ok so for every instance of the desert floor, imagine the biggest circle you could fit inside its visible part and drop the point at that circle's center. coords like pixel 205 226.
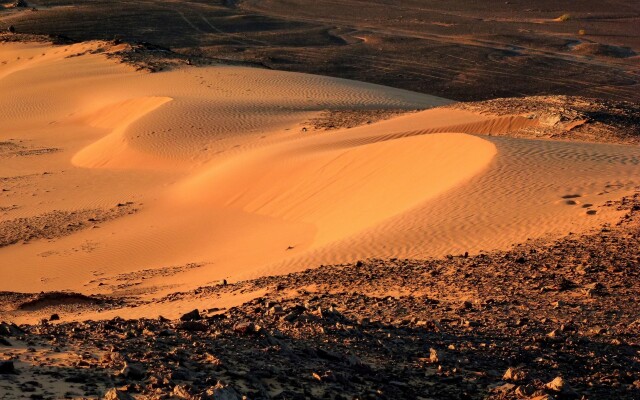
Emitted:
pixel 204 174
pixel 454 49
pixel 137 192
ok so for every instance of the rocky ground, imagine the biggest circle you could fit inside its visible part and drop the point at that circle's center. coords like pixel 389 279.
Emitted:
pixel 453 49
pixel 13 301
pixel 568 117
pixel 344 119
pixel 142 56
pixel 10 148
pixel 58 223
pixel 544 320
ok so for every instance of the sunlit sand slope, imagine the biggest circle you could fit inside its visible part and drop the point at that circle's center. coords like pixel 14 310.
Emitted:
pixel 339 189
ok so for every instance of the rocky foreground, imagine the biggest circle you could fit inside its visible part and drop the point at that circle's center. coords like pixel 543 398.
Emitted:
pixel 543 321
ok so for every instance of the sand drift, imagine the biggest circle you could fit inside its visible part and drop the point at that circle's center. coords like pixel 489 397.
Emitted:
pixel 220 170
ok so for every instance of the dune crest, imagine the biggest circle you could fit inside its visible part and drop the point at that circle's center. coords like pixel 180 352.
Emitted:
pixel 341 189
pixel 113 151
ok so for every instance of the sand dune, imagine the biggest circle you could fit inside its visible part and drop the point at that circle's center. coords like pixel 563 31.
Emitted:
pixel 113 150
pixel 340 189
pixel 224 177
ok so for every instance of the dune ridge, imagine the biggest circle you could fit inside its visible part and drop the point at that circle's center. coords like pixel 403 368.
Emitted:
pixel 113 151
pixel 342 190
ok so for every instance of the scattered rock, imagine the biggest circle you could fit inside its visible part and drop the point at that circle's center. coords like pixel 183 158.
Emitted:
pixel 505 388
pixel 525 391
pixel 514 375
pixel 115 394
pixel 558 385
pixel 569 117
pixel 435 356
pixel 193 326
pixel 7 367
pixel 244 328
pixel 191 316
pixel 182 392
pixel 133 371
pixel 9 330
pixel 223 392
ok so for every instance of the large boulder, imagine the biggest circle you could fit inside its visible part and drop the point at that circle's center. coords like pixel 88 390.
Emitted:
pixel 191 316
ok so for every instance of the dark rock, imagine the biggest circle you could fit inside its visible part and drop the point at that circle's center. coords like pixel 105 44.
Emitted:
pixel 525 391
pixel 7 367
pixel 191 316
pixel 329 355
pixel 181 375
pixel 291 316
pixel 133 371
pixel 244 327
pixel 223 392
pixel 10 329
pixel 193 326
